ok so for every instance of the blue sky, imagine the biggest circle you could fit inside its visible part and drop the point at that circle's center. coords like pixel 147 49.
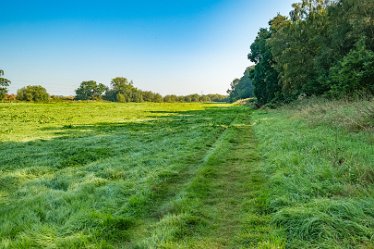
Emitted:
pixel 170 47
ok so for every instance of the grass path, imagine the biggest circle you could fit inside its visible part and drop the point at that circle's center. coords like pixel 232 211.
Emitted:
pixel 219 207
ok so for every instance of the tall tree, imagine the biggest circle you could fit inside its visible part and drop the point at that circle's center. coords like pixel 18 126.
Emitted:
pixel 264 75
pixel 123 91
pixel 324 48
pixel 4 83
pixel 90 90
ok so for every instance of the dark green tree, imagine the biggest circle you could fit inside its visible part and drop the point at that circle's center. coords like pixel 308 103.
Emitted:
pixel 241 88
pixel 33 93
pixel 315 51
pixel 264 76
pixel 171 98
pixel 354 73
pixel 4 83
pixel 90 90
pixel 123 91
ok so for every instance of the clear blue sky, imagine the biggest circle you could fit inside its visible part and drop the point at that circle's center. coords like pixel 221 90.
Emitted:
pixel 167 46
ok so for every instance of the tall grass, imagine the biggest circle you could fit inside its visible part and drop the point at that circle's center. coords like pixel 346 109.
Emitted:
pixel 319 159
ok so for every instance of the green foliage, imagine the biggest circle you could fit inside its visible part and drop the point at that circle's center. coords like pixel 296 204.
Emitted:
pixel 4 83
pixel 241 88
pixel 149 96
pixel 354 73
pixel 90 90
pixel 33 93
pixel 264 76
pixel 171 98
pixel 314 51
pixel 122 90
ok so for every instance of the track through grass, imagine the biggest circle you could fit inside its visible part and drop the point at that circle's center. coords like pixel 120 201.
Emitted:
pixel 219 207
pixel 104 175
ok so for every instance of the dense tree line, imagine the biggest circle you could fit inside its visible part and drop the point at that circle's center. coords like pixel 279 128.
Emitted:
pixel 122 90
pixel 195 98
pixel 241 88
pixel 323 48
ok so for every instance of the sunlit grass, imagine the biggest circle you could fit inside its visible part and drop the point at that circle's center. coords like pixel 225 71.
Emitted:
pixel 320 169
pixel 98 175
pixel 108 175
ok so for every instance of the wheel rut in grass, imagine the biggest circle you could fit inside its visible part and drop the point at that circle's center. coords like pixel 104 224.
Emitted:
pixel 172 185
pixel 176 181
pixel 222 205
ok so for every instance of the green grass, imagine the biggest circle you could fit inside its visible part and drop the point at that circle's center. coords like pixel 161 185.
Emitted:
pixel 109 175
pixel 318 157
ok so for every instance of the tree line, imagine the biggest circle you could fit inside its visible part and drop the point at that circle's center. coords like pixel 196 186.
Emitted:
pixel 323 48
pixel 120 90
pixel 241 88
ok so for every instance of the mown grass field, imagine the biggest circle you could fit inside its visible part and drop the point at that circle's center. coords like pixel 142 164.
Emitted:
pixel 108 175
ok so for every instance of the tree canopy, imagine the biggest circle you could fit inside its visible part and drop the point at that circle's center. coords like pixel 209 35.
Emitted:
pixel 322 48
pixel 241 88
pixel 90 90
pixel 32 93
pixel 4 83
pixel 123 90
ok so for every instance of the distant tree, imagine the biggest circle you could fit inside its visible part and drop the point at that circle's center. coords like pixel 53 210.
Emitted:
pixel 137 96
pixel 120 97
pixel 157 98
pixel 149 96
pixel 187 98
pixel 195 97
pixel 123 91
pixel 32 93
pixel 217 97
pixel 241 88
pixel 90 90
pixel 4 83
pixel 171 98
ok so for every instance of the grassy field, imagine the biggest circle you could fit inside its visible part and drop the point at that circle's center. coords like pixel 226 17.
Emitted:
pixel 109 175
pixel 103 175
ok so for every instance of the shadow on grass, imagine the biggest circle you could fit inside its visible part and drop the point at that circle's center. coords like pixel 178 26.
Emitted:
pixel 85 139
pixel 37 172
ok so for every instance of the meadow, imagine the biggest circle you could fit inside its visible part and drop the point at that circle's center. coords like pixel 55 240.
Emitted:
pixel 109 175
pixel 186 175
